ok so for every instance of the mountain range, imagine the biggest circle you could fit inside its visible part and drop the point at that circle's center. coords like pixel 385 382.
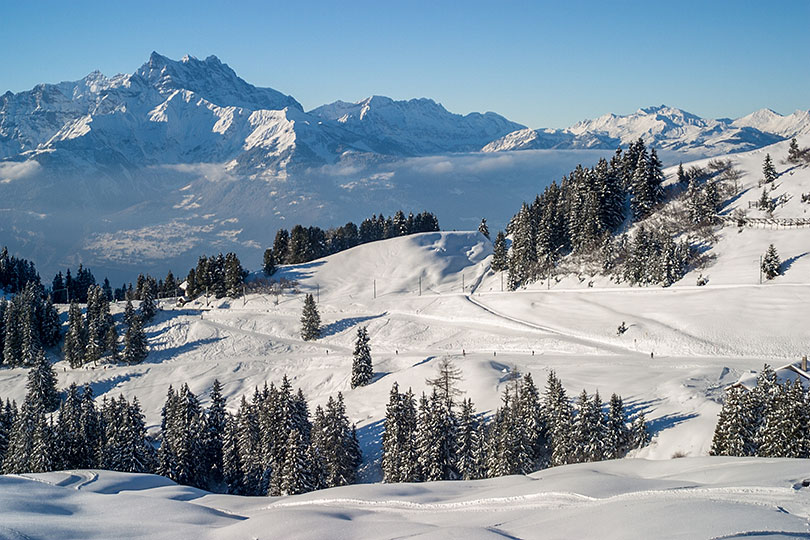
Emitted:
pixel 191 111
pixel 150 169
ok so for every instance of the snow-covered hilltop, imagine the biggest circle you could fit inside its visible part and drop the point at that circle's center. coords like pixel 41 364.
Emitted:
pixel 666 128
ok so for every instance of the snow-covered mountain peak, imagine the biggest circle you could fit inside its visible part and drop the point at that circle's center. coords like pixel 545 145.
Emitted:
pixel 213 80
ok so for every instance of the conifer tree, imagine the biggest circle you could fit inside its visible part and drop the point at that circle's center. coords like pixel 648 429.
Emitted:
pixel 523 257
pixel 50 328
pixel 682 177
pixel 147 307
pixel 618 442
pixel 468 442
pixel 41 385
pixel 500 261
pixel 483 229
pixel 295 474
pixel 794 153
pixel 111 344
pixel 362 371
pixel 559 419
pixel 215 428
pixel 771 263
pixel 768 170
pixel 639 437
pixel 135 345
pixel 268 262
pixel 232 459
pixel 310 320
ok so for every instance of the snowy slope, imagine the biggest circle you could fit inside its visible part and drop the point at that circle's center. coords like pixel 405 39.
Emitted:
pixel 685 498
pixel 666 128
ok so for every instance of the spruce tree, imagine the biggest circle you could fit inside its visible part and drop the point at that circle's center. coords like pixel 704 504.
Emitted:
pixel 771 263
pixel 295 474
pixel 215 427
pixel 232 459
pixel 467 442
pixel 310 320
pixel 362 371
pixel 41 385
pixel 682 177
pixel 483 229
pixel 268 263
pixel 500 261
pixel 147 307
pixel 794 153
pixel 768 170
pixel 135 344
pixel 639 436
pixel 523 257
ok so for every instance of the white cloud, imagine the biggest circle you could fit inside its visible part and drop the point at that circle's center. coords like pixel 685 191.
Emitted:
pixel 10 171
pixel 213 172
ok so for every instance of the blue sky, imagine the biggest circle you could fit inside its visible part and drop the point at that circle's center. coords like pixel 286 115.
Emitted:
pixel 544 64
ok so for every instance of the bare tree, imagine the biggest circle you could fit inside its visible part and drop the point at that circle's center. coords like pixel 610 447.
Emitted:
pixel 445 382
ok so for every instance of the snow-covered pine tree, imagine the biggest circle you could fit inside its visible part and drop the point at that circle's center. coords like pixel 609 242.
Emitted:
pixel 12 339
pixel 147 307
pixel 559 421
pixel 768 170
pixel 682 177
pixel 29 442
pixel 483 229
pixel 529 410
pixel 41 385
pixel 75 339
pixel 268 263
pixel 215 426
pixel 362 371
pixel 295 474
pixel 643 196
pixel 183 440
pixel 68 434
pixel 391 450
pixel 7 416
pixel 310 320
pixel 231 459
pixel 111 343
pixel 129 313
pixel 618 439
pixel 639 436
pixel 136 348
pixel 771 263
pixel 248 443
pixel 794 153
pixel 332 439
pixel 467 442
pixel 500 261
pixel 234 275
pixel 523 256
pixel 51 326
pixel 91 430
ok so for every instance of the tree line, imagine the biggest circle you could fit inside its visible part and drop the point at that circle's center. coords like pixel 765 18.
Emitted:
pixel 16 273
pixel 269 447
pixel 303 244
pixel 433 439
pixel 770 420
pixel 583 214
